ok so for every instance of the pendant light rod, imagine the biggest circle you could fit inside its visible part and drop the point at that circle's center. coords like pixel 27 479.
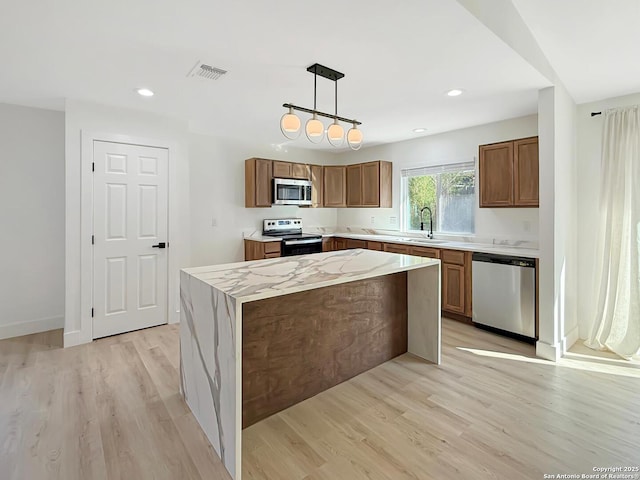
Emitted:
pixel 321 114
pixel 336 98
pixel 315 89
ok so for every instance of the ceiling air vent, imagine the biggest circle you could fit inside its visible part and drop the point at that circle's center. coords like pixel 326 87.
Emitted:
pixel 206 71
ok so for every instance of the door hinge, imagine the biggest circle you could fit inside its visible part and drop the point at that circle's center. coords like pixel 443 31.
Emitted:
pixel 93 239
pixel 93 167
pixel 92 312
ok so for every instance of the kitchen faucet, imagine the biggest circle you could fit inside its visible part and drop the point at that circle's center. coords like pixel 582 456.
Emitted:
pixel 430 234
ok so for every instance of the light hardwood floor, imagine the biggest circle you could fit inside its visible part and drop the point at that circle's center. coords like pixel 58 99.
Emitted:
pixel 111 410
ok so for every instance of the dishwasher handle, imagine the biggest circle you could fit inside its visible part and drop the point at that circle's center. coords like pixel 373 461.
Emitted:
pixel 504 259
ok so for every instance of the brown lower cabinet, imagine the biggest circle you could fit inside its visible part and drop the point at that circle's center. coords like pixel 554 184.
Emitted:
pixel 455 271
pixel 425 252
pixel 455 268
pixel 339 243
pixel 351 243
pixel 456 282
pixel 374 245
pixel 397 248
pixel 254 250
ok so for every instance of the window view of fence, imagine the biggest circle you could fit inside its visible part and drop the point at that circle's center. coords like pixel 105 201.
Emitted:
pixel 450 196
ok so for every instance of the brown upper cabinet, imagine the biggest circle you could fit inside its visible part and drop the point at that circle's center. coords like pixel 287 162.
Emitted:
pixel 369 184
pixel 257 182
pixel 509 174
pixel 360 185
pixel 290 170
pixel 316 187
pixel 526 172
pixel 354 185
pixel 335 186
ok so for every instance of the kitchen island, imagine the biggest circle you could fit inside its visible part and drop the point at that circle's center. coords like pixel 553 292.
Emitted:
pixel 257 337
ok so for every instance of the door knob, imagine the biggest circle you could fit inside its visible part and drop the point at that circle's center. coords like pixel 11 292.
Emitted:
pixel 160 245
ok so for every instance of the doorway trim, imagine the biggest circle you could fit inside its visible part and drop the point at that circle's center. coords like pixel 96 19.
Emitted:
pixel 85 332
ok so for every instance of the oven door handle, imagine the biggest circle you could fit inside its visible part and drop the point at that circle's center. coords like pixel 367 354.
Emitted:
pixel 302 242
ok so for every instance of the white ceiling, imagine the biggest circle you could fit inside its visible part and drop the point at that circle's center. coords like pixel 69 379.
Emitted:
pixel 592 45
pixel 399 58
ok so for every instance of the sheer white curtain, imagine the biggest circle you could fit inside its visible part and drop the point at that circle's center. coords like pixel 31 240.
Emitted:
pixel 616 325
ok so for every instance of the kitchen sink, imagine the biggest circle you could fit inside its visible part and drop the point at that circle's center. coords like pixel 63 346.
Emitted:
pixel 424 241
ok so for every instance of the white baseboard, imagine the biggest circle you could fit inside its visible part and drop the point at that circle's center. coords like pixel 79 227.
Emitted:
pixel 75 337
pixel 71 339
pixel 29 327
pixel 570 338
pixel 548 352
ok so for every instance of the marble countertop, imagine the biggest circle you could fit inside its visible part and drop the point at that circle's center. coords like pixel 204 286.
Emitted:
pixel 259 279
pixel 453 245
pixel 466 246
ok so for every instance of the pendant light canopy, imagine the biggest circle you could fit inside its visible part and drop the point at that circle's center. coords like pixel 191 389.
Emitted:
pixel 314 128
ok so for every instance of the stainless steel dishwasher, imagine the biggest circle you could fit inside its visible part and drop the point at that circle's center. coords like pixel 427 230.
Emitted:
pixel 504 294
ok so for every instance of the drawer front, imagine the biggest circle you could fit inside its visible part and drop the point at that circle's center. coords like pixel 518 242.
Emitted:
pixel 395 248
pixel 272 247
pixel 327 244
pixel 452 256
pixel 374 245
pixel 272 255
pixel 339 243
pixel 356 243
pixel 425 252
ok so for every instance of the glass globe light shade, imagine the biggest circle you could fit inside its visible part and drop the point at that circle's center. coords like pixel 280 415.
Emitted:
pixel 290 125
pixel 335 134
pixel 314 129
pixel 354 138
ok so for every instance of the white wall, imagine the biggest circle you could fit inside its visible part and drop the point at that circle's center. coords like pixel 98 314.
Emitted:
pixel 589 146
pixel 449 147
pixel 558 233
pixel 85 119
pixel 217 192
pixel 32 219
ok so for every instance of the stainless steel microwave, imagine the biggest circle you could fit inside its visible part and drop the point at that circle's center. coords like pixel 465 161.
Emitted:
pixel 291 192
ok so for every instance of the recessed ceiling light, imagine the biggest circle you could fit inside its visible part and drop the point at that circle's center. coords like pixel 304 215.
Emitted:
pixel 419 130
pixel 455 92
pixel 145 92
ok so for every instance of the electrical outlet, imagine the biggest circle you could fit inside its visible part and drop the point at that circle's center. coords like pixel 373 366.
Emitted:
pixel 526 226
pixel 393 220
pixel 373 220
pixel 214 222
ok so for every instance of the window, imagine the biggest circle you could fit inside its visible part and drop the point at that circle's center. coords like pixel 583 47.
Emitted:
pixel 448 190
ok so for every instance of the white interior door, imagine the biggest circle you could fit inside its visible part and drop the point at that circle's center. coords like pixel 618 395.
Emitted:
pixel 130 216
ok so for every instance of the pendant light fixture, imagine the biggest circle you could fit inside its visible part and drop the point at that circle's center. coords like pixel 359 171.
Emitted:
pixel 354 137
pixel 314 128
pixel 290 125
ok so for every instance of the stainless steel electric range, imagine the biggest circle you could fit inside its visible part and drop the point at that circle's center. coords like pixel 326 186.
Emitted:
pixel 294 242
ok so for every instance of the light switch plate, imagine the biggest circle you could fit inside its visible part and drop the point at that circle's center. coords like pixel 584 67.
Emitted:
pixel 393 220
